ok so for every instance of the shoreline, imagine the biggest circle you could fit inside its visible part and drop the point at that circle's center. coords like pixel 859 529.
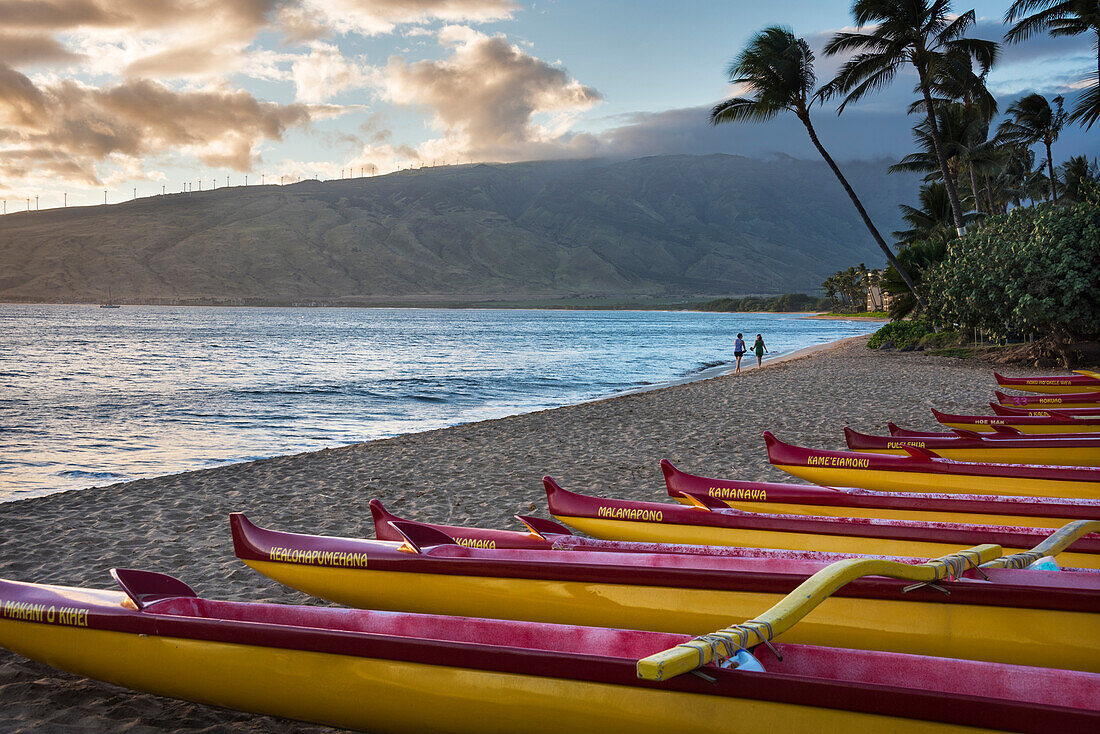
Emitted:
pixel 728 369
pixel 12 494
pixel 471 474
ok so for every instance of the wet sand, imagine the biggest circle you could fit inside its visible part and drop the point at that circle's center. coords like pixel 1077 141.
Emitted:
pixel 477 474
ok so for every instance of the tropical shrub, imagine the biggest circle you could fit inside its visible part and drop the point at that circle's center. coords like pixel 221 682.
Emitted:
pixel 1029 272
pixel 900 334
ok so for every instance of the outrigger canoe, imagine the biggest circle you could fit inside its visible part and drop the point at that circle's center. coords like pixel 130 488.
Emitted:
pixel 808 499
pixel 1082 381
pixel 1046 449
pixel 711 522
pixel 1073 400
pixel 1005 431
pixel 543 534
pixel 923 471
pixel 387 672
pixel 1043 618
pixel 999 409
pixel 1021 423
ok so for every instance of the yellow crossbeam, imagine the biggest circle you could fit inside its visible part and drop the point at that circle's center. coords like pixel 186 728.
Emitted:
pixel 724 643
pixel 1054 544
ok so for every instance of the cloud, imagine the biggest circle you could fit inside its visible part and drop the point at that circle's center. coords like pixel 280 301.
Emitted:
pixel 486 95
pixel 69 129
pixel 325 72
pixel 373 17
pixel 17 49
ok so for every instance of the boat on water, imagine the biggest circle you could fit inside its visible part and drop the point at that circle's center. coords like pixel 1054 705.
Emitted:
pixel 712 522
pixel 809 499
pixel 993 620
pixel 999 409
pixel 392 672
pixel 1022 423
pixel 923 471
pixel 1071 400
pixel 1046 448
pixel 1080 381
pixel 109 303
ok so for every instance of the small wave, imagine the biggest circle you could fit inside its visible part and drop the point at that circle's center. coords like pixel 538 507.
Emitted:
pixel 704 366
pixel 81 474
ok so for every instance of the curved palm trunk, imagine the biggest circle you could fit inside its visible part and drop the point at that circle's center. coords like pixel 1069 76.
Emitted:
pixel 937 143
pixel 974 188
pixel 1050 172
pixel 805 118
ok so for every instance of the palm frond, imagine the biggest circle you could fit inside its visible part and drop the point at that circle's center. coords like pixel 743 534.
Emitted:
pixel 956 28
pixel 742 109
pixel 1086 108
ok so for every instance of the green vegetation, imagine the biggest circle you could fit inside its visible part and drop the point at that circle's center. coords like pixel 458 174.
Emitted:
pixel 787 303
pixel 964 262
pixel 1029 272
pixel 900 335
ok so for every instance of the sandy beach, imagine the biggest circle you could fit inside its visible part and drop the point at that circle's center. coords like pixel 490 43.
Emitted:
pixel 478 474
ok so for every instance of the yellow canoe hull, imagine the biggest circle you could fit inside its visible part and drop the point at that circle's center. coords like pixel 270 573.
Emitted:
pixel 883 480
pixel 653 532
pixel 1044 638
pixel 1079 456
pixel 385 696
pixel 1025 428
pixel 885 513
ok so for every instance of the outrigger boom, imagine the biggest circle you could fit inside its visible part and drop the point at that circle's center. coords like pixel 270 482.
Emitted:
pixel 725 643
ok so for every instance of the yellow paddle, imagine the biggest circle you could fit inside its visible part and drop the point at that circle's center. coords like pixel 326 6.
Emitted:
pixel 697 652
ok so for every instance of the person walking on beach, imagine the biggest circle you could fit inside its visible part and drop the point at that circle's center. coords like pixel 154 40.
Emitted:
pixel 759 348
pixel 739 350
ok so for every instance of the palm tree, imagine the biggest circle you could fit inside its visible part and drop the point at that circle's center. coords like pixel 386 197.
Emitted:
pixel 1032 121
pixel 918 32
pixel 1065 18
pixel 1077 175
pixel 964 133
pixel 778 70
pixel 932 221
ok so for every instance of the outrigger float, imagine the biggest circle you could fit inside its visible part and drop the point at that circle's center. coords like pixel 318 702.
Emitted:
pixel 1081 381
pixel 387 672
pixel 1041 618
pixel 923 471
pixel 1022 423
pixel 1001 448
pixel 712 522
pixel 1072 400
pixel 809 499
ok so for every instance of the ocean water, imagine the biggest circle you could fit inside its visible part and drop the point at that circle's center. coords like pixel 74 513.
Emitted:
pixel 92 396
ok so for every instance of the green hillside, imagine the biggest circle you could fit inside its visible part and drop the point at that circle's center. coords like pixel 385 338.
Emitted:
pixel 661 228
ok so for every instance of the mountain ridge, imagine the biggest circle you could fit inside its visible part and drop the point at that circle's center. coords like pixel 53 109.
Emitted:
pixel 654 229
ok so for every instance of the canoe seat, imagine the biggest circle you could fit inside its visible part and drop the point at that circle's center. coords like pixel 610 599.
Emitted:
pixel 146 587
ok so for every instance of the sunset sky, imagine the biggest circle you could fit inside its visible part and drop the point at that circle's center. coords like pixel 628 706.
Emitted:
pixel 115 95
